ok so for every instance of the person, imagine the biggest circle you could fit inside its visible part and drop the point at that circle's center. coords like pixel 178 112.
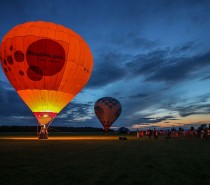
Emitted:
pixel 206 133
pixel 137 133
pixel 149 132
pixel 168 134
pixel 142 134
pixel 202 133
pixel 155 133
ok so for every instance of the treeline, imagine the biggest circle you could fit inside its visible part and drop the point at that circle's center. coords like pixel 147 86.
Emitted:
pixel 51 129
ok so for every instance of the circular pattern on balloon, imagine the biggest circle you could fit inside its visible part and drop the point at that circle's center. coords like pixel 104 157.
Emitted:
pixel 21 73
pixel 5 62
pixel 19 56
pixel 47 56
pixel 34 73
pixel 10 60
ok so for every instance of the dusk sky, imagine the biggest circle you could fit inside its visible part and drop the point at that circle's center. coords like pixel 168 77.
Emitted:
pixel 153 56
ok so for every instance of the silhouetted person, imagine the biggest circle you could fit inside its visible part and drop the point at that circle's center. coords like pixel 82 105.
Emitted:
pixel 137 133
pixel 155 132
pixel 168 134
pixel 141 134
pixel 206 133
pixel 149 133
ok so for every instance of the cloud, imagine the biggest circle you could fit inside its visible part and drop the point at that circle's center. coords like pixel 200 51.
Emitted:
pixel 108 70
pixel 207 77
pixel 193 109
pixel 139 81
pixel 139 95
pixel 182 69
pixel 151 120
pixel 132 40
pixel 159 67
pixel 144 64
pixel 190 106
pixel 76 112
pixel 10 102
pixel 183 48
pixel 13 110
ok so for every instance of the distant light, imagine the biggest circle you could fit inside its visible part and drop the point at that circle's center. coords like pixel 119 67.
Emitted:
pixel 45 115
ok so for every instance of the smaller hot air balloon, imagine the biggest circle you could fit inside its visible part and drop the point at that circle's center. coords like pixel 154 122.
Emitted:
pixel 107 110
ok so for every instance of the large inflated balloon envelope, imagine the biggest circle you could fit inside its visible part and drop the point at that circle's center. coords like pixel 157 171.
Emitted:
pixel 47 64
pixel 107 110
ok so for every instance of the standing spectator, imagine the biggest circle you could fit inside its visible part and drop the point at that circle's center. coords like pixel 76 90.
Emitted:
pixel 142 134
pixel 137 133
pixel 168 134
pixel 149 133
pixel 155 133
pixel 206 133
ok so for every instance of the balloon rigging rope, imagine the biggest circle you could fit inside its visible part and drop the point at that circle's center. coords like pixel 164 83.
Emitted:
pixel 50 123
pixel 37 128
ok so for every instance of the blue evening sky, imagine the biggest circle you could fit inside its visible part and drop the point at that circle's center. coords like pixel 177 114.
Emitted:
pixel 151 55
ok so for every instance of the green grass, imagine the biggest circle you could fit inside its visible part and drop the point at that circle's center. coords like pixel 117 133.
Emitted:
pixel 105 162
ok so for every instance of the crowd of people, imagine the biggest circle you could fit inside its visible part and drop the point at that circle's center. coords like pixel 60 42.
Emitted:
pixel 201 132
pixel 149 133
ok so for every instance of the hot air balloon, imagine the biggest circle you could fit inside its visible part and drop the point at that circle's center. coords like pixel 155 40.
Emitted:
pixel 47 64
pixel 107 110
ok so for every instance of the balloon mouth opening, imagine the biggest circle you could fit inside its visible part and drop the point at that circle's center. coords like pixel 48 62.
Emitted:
pixel 45 117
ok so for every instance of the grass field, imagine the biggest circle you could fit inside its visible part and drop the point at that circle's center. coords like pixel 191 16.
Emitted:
pixel 101 161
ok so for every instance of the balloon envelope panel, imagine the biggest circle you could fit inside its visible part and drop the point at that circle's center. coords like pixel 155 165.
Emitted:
pixel 47 64
pixel 107 110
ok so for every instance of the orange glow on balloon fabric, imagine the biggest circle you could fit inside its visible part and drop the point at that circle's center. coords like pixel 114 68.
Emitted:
pixel 47 64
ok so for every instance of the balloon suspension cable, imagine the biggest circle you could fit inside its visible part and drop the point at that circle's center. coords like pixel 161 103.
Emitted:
pixel 50 123
pixel 37 128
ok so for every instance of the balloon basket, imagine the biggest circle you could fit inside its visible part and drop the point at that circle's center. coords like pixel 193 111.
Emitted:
pixel 43 133
pixel 106 132
pixel 43 136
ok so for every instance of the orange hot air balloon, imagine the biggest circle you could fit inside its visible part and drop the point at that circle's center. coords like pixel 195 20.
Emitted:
pixel 47 64
pixel 107 110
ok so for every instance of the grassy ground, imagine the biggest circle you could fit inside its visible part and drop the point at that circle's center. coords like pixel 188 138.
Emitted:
pixel 105 162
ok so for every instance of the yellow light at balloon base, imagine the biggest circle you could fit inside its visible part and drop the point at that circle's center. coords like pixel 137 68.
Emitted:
pixel 46 106
pixel 48 101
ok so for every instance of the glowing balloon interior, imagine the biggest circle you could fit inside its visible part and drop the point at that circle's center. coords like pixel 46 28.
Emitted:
pixel 47 64
pixel 107 110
